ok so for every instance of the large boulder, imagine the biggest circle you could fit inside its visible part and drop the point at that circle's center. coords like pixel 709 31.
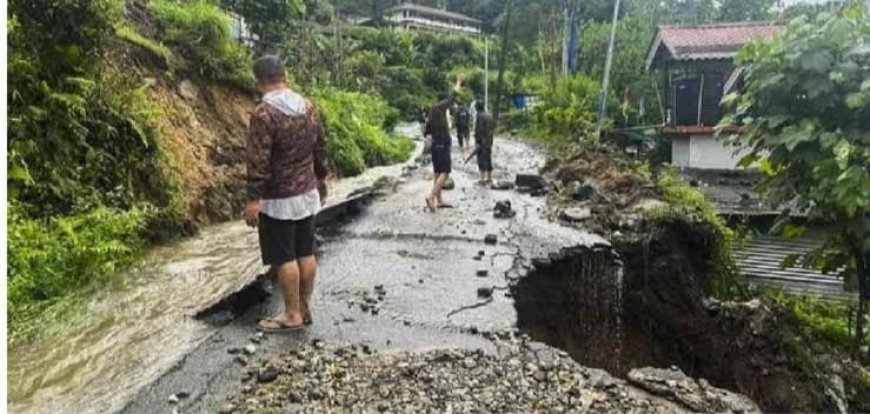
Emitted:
pixel 697 395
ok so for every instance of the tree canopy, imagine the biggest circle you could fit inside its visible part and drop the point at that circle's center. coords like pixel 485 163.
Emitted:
pixel 806 117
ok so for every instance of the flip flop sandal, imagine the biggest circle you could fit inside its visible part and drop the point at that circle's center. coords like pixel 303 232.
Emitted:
pixel 279 327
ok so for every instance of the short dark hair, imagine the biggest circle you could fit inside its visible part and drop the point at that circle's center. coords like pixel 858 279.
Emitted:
pixel 268 68
pixel 480 106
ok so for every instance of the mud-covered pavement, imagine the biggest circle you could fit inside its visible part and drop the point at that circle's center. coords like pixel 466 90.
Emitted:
pixel 394 280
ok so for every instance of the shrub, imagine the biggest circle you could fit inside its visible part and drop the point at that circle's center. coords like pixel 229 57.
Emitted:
pixel 201 31
pixel 51 258
pixel 683 202
pixel 355 131
pixel 569 111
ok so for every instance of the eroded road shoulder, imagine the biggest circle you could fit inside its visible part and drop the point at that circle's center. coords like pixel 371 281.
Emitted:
pixel 400 286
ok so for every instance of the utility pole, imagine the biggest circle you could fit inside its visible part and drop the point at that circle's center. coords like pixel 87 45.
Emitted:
pixel 602 107
pixel 502 59
pixel 566 22
pixel 486 73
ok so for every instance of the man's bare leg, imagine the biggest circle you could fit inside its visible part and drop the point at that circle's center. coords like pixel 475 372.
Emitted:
pixel 307 272
pixel 434 195
pixel 439 184
pixel 288 280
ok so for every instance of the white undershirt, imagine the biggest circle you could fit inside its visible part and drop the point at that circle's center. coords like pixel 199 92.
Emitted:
pixel 294 208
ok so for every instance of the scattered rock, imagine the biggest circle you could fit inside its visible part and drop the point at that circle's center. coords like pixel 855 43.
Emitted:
pixel 267 375
pixel 482 273
pixel 250 349
pixel 227 408
pixel 241 360
pixel 173 399
pixel 516 379
pixel 501 185
pixel 490 239
pixel 234 350
pixel 188 90
pixel 503 210
pixel 575 214
pixel 698 396
pixel 531 181
pixel 585 192
pixel 484 292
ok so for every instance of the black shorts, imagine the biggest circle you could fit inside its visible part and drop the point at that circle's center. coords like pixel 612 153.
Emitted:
pixel 283 241
pixel 441 162
pixel 484 159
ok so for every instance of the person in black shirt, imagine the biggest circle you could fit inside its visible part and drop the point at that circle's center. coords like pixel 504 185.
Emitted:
pixel 463 124
pixel 483 138
pixel 438 131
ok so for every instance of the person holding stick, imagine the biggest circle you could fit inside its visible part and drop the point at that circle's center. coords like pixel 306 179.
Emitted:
pixel 483 138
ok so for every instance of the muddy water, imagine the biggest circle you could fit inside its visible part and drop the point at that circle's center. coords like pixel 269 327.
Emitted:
pixel 124 336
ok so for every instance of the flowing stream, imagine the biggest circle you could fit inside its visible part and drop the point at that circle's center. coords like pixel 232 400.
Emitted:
pixel 124 335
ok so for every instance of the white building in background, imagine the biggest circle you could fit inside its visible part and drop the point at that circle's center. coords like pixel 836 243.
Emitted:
pixel 415 17
pixel 240 30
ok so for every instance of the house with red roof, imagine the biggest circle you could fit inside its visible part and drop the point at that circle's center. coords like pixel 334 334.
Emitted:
pixel 696 67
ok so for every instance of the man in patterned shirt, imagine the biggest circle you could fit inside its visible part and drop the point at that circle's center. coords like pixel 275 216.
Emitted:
pixel 287 169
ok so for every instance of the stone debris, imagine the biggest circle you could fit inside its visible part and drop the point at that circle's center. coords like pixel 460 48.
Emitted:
pixel 503 210
pixel 518 379
pixel 370 301
pixel 530 181
pixel 484 292
pixel 490 239
pixel 581 191
pixel 449 184
pixel 575 214
pixel 696 395
pixel 501 185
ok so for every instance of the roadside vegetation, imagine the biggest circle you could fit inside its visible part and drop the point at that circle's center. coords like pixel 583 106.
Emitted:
pixel 90 186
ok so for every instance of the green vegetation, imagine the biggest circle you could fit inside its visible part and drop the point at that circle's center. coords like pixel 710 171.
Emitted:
pixel 683 202
pixel 128 33
pixel 355 131
pixel 806 112
pixel 50 258
pixel 89 184
pixel 87 181
pixel 826 321
pixel 567 113
pixel 200 31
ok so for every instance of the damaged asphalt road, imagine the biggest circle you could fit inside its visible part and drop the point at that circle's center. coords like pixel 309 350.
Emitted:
pixel 395 279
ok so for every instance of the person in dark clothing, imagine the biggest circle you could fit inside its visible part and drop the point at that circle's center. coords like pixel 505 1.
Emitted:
pixel 287 168
pixel 438 131
pixel 483 139
pixel 463 124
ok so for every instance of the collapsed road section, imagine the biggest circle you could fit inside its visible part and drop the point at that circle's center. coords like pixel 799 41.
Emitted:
pixel 394 286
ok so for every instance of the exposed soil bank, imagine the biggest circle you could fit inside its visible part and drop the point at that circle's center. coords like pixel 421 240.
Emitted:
pixel 654 311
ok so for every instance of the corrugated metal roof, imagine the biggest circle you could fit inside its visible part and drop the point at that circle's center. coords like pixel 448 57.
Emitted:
pixel 760 261
pixel 433 11
pixel 707 41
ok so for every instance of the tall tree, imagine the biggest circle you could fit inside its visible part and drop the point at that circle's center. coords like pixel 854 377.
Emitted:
pixel 806 117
